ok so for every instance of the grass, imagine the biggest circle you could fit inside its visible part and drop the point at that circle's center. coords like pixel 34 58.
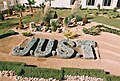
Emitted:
pixel 7 24
pixel 112 22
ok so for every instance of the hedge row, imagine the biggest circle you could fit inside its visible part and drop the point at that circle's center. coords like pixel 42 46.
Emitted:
pixel 111 78
pixel 41 72
pixel 4 65
pixel 22 70
pixel 89 72
pixel 8 33
pixel 95 30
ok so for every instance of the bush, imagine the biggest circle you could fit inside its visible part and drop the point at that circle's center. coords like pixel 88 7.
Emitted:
pixel 65 21
pixel 8 33
pixel 1 17
pixel 41 72
pixel 85 30
pixel 10 11
pixel 47 28
pixel 89 72
pixel 70 34
pixel 85 20
pixel 54 24
pixel 4 65
pixel 115 9
pixel 77 16
pixel 110 30
pixel 47 18
pixel 111 78
pixel 92 31
pixel 27 33
pixel 98 6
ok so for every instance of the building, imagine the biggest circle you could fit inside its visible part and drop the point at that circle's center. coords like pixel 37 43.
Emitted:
pixel 105 4
pixel 92 4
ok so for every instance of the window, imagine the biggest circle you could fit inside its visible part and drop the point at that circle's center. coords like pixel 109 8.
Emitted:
pixel 72 2
pixel 118 4
pixel 90 2
pixel 106 2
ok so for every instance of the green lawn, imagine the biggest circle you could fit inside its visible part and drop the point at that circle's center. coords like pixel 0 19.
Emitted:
pixel 7 24
pixel 113 22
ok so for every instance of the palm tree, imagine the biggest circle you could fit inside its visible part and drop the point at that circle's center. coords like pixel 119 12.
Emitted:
pixel 20 8
pixel 30 3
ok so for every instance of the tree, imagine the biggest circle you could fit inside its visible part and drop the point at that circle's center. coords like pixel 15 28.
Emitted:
pixel 75 8
pixel 20 8
pixel 30 3
pixel 42 6
pixel 98 6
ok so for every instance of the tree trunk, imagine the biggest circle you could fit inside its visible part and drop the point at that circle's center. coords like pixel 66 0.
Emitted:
pixel 20 21
pixel 31 8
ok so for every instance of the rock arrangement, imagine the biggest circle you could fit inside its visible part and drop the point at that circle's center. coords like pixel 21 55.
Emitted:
pixel 81 78
pixel 22 51
pixel 64 48
pixel 39 52
pixel 87 48
pixel 7 73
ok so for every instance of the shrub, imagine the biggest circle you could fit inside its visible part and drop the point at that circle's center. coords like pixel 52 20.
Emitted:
pixel 92 31
pixel 8 33
pixel 77 16
pixel 70 34
pixel 85 30
pixel 27 33
pixel 55 15
pixel 65 21
pixel 47 28
pixel 10 11
pixel 41 72
pixel 98 6
pixel 115 15
pixel 47 18
pixel 4 65
pixel 1 17
pixel 54 24
pixel 96 13
pixel 111 78
pixel 114 9
pixel 89 72
pixel 85 20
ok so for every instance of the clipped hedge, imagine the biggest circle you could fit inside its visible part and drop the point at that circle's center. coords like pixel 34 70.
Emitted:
pixel 89 72
pixel 95 30
pixel 64 49
pixel 8 33
pixel 111 78
pixel 14 66
pixel 22 51
pixel 41 72
pixel 27 34
pixel 25 71
pixel 43 50
pixel 110 30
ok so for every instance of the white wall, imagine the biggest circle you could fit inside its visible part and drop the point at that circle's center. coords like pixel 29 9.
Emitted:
pixel 66 3
pixel 36 4
pixel 61 3
pixel 113 4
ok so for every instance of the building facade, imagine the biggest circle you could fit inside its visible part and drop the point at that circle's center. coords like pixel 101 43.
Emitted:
pixel 105 4
pixel 92 4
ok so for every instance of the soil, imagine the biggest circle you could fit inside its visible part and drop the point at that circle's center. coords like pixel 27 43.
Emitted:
pixel 108 46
